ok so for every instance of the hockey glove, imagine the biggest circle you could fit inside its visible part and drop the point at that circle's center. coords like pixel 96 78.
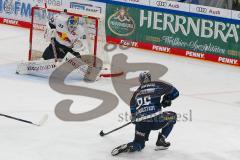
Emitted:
pixel 166 103
pixel 133 118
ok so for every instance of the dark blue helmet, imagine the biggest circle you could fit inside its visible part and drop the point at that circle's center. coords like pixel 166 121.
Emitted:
pixel 144 77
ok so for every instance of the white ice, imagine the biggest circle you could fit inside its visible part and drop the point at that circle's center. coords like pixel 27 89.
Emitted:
pixel 209 90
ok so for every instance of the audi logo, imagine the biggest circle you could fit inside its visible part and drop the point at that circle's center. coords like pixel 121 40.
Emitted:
pixel 160 3
pixel 201 10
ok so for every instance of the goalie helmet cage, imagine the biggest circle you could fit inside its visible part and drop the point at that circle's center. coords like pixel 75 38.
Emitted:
pixel 94 28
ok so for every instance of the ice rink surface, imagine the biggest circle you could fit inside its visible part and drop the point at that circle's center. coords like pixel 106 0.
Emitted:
pixel 209 100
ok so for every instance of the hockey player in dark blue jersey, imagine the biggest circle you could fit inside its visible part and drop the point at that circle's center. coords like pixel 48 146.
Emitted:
pixel 146 109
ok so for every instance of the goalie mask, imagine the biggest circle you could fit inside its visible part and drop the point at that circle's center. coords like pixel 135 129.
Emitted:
pixel 72 23
pixel 144 77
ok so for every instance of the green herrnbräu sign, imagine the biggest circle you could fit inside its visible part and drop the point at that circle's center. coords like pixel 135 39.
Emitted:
pixel 178 31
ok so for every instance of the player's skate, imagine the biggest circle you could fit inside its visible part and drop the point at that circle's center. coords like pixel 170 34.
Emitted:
pixel 120 149
pixel 161 144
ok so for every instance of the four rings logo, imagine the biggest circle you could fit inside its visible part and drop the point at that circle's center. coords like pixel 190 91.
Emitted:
pixel 161 4
pixel 201 10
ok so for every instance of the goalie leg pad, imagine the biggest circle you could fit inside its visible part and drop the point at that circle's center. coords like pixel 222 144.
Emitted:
pixel 89 73
pixel 41 68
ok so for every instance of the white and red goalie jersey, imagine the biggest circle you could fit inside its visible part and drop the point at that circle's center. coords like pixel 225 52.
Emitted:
pixel 58 28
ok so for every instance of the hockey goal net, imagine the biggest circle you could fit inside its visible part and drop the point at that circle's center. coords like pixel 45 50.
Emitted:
pixel 94 28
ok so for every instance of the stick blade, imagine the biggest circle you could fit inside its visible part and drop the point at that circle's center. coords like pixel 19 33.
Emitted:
pixel 101 133
pixel 43 120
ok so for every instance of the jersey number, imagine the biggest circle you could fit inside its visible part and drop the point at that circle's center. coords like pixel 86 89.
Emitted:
pixel 146 100
pixel 60 25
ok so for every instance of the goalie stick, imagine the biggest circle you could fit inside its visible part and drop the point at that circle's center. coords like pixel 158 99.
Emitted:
pixel 41 122
pixel 54 49
pixel 52 39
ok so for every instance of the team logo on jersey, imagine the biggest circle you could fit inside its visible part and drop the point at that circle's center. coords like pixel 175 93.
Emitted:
pixel 63 36
pixel 8 6
pixel 120 23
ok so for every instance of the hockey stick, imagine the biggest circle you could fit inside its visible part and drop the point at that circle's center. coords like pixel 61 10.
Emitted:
pixel 54 49
pixel 104 134
pixel 52 39
pixel 43 120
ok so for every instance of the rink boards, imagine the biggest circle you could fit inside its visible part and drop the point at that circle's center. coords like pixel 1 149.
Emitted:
pixel 176 28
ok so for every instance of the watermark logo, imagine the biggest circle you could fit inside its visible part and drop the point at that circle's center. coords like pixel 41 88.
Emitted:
pixel 121 24
pixel 62 109
pixel 121 84
pixel 181 117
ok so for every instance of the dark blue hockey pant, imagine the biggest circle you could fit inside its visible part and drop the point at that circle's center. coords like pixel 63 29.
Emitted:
pixel 164 121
